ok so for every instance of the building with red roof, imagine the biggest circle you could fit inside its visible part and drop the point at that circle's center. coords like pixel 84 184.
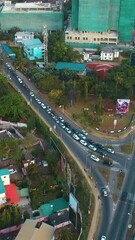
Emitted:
pixel 100 68
pixel 12 193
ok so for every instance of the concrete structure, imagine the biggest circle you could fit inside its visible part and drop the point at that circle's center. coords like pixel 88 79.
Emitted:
pixel 31 16
pixel 101 22
pixel 109 54
pixel 20 36
pixel 32 230
pixel 33 49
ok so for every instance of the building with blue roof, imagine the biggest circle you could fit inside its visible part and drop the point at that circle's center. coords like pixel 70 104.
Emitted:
pixel 4 180
pixel 8 51
pixel 80 68
pixel 33 49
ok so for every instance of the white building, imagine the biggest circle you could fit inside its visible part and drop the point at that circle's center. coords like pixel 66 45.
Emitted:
pixel 20 36
pixel 4 180
pixel 110 37
pixel 109 54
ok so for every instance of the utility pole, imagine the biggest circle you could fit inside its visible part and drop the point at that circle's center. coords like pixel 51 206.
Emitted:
pixel 45 40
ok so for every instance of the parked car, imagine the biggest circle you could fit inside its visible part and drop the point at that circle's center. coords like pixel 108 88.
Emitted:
pixel 82 136
pixel 108 163
pixel 83 142
pixel 110 150
pixel 67 130
pixel 94 158
pixel 76 137
pixel 12 171
pixel 91 147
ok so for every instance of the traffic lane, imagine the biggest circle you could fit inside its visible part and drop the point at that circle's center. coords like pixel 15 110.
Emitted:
pixel 122 217
pixel 125 206
pixel 106 217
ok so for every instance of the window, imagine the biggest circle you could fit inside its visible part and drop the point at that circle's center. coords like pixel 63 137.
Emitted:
pixel 83 38
pixel 78 38
pixel 86 38
pixel 70 37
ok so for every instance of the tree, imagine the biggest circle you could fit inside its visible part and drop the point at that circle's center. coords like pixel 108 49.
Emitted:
pixel 66 234
pixel 56 95
pixel 26 215
pixel 6 218
pixel 17 217
pixel 3 86
pixel 12 107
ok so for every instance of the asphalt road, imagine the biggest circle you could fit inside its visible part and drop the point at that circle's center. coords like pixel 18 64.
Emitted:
pixel 111 227
pixel 123 213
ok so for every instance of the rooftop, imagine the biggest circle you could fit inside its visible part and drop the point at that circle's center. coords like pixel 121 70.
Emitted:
pixel 2 188
pixel 78 67
pixel 32 43
pixel 24 192
pixel 30 231
pixel 4 171
pixel 53 207
pixel 12 193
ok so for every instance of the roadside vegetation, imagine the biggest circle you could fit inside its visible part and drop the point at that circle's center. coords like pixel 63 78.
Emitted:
pixel 56 183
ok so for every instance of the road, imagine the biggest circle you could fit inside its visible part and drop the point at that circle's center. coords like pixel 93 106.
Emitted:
pixel 109 224
pixel 123 213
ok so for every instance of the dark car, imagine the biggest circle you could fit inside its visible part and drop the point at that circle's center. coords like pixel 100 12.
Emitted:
pixel 108 163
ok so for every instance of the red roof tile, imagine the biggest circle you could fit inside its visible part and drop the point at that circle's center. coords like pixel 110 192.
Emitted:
pixel 12 193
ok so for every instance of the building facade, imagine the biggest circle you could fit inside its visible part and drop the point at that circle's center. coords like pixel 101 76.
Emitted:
pixel 100 22
pixel 31 16
pixel 20 36
pixel 33 49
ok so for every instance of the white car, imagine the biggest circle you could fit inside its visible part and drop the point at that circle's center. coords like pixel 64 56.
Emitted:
pixel 94 158
pixel 20 80
pixel 83 142
pixel 68 130
pixel 104 192
pixel 61 119
pixel 91 147
pixel 103 237
pixel 32 94
pixel 43 106
pixel 84 132
pixel 62 125
pixel 76 137
pixel 57 120
pixel 110 150
pixel 38 100
pixel 82 136
pixel 12 171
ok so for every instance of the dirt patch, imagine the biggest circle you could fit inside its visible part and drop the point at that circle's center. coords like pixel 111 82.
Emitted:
pixel 105 172
pixel 121 176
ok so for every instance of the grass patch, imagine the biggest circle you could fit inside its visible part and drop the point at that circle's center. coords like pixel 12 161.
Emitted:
pixel 105 172
pixel 127 148
pixel 121 176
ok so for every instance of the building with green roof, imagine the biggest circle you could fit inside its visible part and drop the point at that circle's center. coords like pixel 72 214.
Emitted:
pixel 2 188
pixel 31 17
pixel 24 192
pixel 53 206
pixel 4 171
pixel 77 67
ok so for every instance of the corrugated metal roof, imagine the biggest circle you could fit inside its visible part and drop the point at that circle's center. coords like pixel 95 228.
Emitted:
pixel 79 67
pixel 32 43
pixel 4 171
pixel 2 188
